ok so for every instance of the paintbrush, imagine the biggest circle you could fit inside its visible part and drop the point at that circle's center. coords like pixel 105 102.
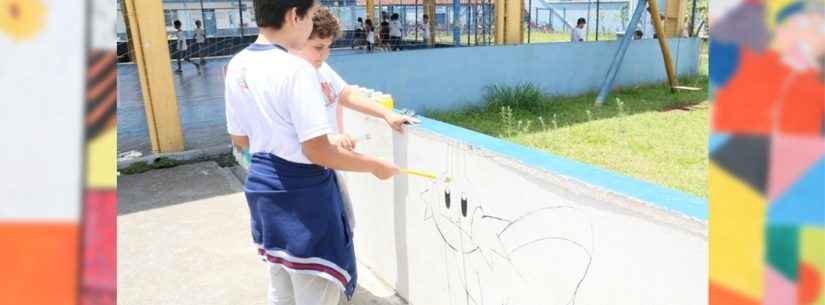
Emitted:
pixel 424 174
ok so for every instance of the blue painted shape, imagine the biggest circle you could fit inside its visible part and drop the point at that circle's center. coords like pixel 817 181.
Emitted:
pixel 804 202
pixel 651 193
pixel 716 140
pixel 725 62
pixel 790 10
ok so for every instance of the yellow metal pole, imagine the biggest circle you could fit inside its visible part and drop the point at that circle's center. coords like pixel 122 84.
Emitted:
pixel 147 31
pixel 370 4
pixel 515 22
pixel 501 13
pixel 429 9
pixel 674 10
pixel 657 24
pixel 509 18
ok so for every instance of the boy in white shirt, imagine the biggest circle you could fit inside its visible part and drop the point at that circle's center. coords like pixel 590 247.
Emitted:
pixel 577 34
pixel 200 41
pixel 182 47
pixel 275 108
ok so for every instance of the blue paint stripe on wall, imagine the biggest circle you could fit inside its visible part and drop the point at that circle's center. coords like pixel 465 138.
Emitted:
pixel 654 194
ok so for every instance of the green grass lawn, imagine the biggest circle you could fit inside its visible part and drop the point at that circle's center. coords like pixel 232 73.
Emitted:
pixel 644 132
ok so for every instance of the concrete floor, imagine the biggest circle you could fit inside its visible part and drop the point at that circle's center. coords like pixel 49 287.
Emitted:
pixel 183 238
pixel 200 106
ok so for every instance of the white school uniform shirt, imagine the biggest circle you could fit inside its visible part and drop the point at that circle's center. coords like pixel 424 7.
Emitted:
pixel 275 99
pixel 328 76
pixel 577 35
pixel 181 41
pixel 395 28
pixel 200 35
pixel 371 36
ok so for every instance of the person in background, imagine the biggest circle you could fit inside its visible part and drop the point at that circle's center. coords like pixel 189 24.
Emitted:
pixel 370 29
pixel 182 48
pixel 359 36
pixel 424 27
pixel 577 34
pixel 396 32
pixel 384 31
pixel 200 42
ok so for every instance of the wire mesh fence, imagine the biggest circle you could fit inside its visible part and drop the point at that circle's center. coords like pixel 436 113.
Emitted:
pixel 228 26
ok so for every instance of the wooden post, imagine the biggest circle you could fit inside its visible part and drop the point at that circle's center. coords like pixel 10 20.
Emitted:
pixel 429 9
pixel 509 22
pixel 674 11
pixel 370 13
pixel 147 31
pixel 657 24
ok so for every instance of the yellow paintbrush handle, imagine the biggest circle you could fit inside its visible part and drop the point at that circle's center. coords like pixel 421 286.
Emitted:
pixel 418 173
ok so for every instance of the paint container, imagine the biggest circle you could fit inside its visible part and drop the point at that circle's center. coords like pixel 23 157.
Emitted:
pixel 386 101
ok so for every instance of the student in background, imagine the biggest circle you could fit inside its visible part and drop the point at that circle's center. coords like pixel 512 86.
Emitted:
pixel 370 29
pixel 396 32
pixel 199 46
pixel 577 34
pixel 359 36
pixel 424 27
pixel 384 31
pixel 182 48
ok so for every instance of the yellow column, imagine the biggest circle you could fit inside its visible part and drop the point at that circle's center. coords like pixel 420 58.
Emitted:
pixel 509 21
pixel 429 9
pixel 370 8
pixel 674 21
pixel 657 25
pixel 147 31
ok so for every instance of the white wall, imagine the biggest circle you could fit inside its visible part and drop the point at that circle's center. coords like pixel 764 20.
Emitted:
pixel 529 237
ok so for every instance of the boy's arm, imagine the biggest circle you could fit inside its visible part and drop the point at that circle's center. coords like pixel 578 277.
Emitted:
pixel 359 102
pixel 320 151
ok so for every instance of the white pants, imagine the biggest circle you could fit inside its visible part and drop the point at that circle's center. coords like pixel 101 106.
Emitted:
pixel 290 288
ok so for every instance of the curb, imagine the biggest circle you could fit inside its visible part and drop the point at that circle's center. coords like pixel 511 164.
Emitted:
pixel 183 156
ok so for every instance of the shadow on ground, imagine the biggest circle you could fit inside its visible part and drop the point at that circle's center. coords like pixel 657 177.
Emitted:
pixel 165 187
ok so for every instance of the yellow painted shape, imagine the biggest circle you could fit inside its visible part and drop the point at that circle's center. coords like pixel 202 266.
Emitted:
pixel 813 252
pixel 101 160
pixel 737 239
pixel 22 19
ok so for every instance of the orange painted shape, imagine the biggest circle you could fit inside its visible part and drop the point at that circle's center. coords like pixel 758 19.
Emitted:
pixel 39 263
pixel 720 295
pixel 810 283
pixel 747 103
pixel 803 105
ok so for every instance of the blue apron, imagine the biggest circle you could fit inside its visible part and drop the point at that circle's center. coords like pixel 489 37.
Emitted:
pixel 298 219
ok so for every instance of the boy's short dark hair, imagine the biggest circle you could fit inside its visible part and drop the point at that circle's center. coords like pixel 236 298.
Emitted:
pixel 395 16
pixel 581 21
pixel 271 13
pixel 177 24
pixel 325 25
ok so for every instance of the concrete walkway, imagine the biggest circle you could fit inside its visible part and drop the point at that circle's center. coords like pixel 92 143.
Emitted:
pixel 183 238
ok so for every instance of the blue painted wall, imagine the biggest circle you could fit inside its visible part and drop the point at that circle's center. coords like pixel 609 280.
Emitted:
pixel 455 77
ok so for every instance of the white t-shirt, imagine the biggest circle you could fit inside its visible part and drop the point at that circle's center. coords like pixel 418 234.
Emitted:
pixel 200 36
pixel 371 36
pixel 395 28
pixel 275 99
pixel 329 77
pixel 425 28
pixel 181 41
pixel 577 35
